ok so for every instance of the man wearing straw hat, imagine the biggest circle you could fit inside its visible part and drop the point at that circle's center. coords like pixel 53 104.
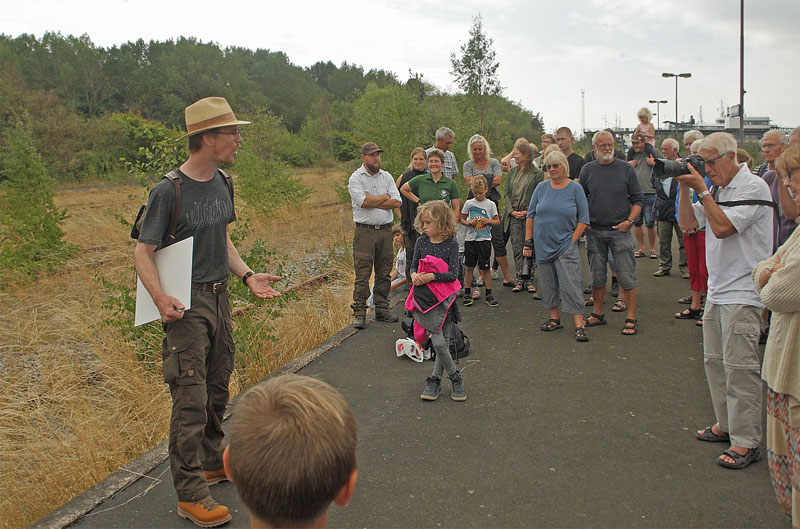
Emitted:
pixel 198 348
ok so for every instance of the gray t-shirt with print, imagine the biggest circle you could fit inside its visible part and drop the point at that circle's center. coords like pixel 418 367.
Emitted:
pixel 206 209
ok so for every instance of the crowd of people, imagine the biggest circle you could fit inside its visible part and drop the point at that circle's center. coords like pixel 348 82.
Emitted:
pixel 742 257
pixel 736 237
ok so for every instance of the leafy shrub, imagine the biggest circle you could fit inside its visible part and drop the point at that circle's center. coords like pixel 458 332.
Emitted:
pixel 30 224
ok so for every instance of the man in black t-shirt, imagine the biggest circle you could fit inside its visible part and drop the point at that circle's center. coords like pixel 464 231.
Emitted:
pixel 564 139
pixel 198 348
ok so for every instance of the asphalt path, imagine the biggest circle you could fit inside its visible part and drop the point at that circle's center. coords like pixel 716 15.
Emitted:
pixel 554 433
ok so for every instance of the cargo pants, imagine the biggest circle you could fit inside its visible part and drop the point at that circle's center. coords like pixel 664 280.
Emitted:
pixel 197 353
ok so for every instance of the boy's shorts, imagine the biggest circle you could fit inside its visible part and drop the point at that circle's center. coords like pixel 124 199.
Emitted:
pixel 477 253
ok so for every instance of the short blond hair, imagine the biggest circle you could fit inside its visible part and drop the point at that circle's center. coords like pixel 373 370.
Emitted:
pixel 478 181
pixel 441 214
pixel 292 449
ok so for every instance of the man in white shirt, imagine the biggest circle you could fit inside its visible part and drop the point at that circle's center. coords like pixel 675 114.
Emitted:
pixel 738 222
pixel 373 194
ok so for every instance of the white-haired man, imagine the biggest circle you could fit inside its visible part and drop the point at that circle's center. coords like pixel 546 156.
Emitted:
pixel 772 144
pixel 444 140
pixel 666 216
pixel 738 222
pixel 689 137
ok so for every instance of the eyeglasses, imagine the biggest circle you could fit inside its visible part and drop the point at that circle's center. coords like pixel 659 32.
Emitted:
pixel 552 166
pixel 712 161
pixel 237 132
pixel 604 146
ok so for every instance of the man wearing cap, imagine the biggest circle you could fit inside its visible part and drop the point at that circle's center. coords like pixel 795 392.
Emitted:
pixel 198 348
pixel 373 194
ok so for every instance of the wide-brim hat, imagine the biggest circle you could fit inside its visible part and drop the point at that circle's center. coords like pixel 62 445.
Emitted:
pixel 209 113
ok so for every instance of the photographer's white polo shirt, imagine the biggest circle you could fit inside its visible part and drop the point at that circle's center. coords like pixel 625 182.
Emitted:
pixel 730 261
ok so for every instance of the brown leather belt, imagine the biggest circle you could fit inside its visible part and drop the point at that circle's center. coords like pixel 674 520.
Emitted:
pixel 214 288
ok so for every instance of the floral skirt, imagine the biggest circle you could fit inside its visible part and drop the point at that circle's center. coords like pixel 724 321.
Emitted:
pixel 783 451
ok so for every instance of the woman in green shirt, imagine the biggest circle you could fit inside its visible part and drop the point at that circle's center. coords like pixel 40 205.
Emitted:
pixel 433 185
pixel 522 180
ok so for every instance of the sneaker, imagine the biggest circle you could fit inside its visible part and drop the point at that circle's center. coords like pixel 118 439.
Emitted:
pixel 468 300
pixel 360 323
pixel 615 289
pixel 684 274
pixel 588 290
pixel 385 315
pixel 491 301
pixel 215 476
pixel 661 272
pixel 433 388
pixel 205 512
pixel 457 382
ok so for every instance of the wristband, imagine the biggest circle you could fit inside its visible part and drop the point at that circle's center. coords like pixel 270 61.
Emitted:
pixel 528 243
pixel 246 277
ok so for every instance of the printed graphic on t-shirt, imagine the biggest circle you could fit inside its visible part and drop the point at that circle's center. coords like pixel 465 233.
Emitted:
pixel 482 227
pixel 444 194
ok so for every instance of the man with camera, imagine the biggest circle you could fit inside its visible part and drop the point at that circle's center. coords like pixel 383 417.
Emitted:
pixel 738 220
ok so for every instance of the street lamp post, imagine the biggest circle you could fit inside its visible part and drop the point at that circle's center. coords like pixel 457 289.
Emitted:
pixel 658 103
pixel 676 75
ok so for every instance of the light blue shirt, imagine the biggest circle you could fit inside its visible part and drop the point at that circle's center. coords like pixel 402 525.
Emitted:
pixel 361 183
pixel 556 213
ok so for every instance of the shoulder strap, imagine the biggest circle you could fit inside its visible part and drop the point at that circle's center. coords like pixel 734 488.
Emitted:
pixel 229 182
pixel 175 176
pixel 753 202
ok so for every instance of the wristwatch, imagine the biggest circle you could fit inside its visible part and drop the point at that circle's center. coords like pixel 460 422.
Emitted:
pixel 246 277
pixel 630 220
pixel 770 267
pixel 702 195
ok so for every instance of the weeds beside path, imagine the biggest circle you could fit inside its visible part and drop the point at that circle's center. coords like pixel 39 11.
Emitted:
pixel 79 400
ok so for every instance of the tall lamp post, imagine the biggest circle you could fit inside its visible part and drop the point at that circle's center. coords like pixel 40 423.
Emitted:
pixel 658 103
pixel 676 75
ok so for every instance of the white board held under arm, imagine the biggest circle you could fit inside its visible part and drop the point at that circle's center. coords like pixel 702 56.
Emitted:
pixel 174 265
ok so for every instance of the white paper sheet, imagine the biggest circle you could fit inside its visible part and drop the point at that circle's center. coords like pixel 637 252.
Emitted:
pixel 174 265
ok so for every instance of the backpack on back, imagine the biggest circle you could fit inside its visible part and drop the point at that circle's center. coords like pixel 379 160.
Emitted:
pixel 175 177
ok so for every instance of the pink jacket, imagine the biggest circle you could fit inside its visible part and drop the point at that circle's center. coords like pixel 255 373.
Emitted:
pixel 441 290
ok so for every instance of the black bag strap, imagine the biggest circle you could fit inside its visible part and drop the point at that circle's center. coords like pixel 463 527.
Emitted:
pixel 750 202
pixel 175 177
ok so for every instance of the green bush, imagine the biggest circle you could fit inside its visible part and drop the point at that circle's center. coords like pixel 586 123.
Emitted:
pixel 30 224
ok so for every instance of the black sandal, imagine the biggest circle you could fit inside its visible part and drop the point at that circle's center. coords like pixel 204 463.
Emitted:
pixel 689 314
pixel 740 461
pixel 601 320
pixel 551 325
pixel 517 288
pixel 580 334
pixel 630 325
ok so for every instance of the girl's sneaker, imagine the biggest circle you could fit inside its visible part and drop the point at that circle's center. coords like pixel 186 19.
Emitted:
pixel 457 382
pixel 468 300
pixel 433 388
pixel 491 301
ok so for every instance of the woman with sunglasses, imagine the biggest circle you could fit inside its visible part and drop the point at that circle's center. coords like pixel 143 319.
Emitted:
pixel 522 180
pixel 778 282
pixel 557 217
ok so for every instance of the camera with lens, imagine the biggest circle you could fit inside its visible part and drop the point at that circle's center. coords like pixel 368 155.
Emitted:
pixel 527 262
pixel 668 168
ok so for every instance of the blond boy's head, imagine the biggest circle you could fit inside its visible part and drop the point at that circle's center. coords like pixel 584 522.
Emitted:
pixel 292 450
pixel 478 184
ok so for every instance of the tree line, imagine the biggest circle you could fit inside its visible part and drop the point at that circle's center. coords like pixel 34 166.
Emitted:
pixel 93 111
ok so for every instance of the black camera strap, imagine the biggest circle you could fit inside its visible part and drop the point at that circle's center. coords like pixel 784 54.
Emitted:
pixel 751 202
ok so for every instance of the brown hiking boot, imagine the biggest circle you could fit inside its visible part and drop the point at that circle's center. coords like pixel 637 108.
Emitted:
pixel 205 512
pixel 215 476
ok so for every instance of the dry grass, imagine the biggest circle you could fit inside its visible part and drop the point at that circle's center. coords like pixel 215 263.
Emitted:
pixel 75 404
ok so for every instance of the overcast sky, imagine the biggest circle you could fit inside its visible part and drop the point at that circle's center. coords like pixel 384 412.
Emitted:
pixel 615 50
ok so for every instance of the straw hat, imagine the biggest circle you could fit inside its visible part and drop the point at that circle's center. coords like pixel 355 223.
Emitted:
pixel 209 113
